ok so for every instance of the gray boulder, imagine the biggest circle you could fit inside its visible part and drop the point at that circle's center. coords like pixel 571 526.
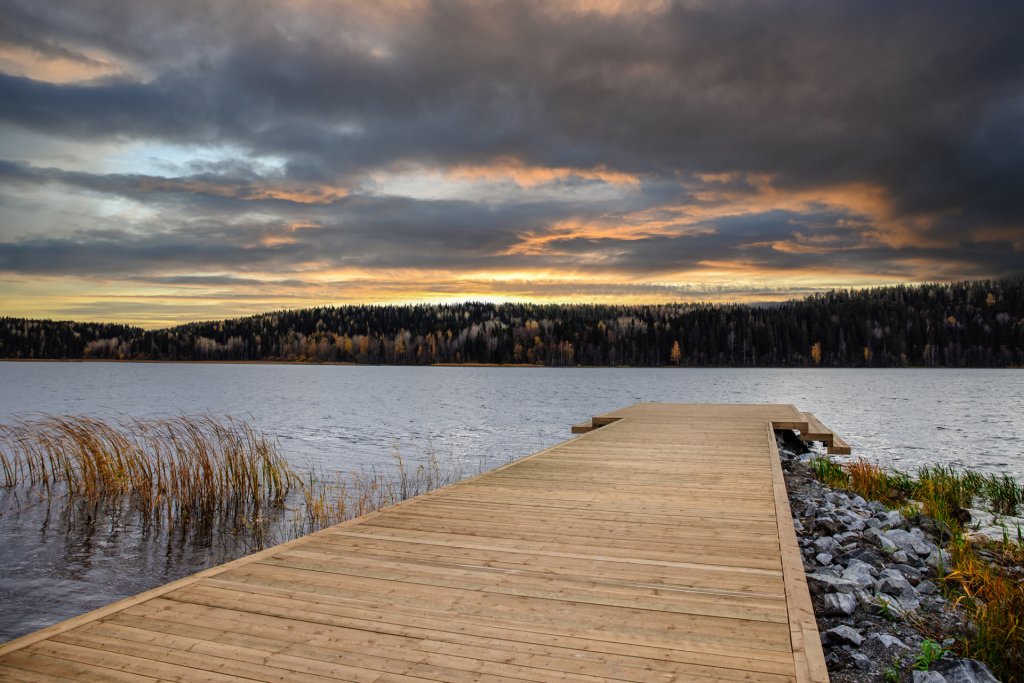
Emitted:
pixel 862 662
pixel 825 544
pixel 894 605
pixel 845 634
pixel 839 604
pixel 891 642
pixel 861 573
pixel 886 544
pixel 939 560
pixel 964 671
pixel 891 582
pixel 892 518
pixel 909 542
pixel 822 582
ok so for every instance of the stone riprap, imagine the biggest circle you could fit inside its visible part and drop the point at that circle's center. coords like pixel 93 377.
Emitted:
pixel 872 576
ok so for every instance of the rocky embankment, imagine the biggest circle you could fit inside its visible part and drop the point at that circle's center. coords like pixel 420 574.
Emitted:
pixel 872 578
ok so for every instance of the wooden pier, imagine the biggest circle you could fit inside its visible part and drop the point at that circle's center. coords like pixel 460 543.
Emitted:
pixel 658 546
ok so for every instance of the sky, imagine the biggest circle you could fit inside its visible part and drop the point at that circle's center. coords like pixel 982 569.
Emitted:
pixel 176 160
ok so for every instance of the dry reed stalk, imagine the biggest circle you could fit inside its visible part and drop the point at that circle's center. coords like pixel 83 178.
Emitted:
pixel 331 500
pixel 172 470
pixel 995 603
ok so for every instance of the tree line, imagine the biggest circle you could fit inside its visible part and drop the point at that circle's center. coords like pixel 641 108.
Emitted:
pixel 964 324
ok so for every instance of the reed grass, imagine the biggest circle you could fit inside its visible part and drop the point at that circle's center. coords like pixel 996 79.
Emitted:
pixel 177 470
pixel 1003 494
pixel 830 473
pixel 945 494
pixel 873 483
pixel 329 500
pixel 995 606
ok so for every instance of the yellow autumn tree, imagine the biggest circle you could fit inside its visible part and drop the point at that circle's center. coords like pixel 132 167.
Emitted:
pixel 816 353
pixel 677 354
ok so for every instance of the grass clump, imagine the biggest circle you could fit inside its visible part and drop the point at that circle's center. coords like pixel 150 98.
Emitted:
pixel 177 470
pixel 830 473
pixel 1003 494
pixel 945 494
pixel 931 652
pixel 873 483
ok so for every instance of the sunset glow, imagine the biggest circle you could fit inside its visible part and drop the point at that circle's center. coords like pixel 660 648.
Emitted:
pixel 171 161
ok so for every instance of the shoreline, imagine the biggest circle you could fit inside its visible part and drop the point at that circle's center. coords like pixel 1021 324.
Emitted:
pixel 880 583
pixel 489 365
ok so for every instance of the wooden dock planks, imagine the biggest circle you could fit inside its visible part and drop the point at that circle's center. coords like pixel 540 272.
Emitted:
pixel 656 547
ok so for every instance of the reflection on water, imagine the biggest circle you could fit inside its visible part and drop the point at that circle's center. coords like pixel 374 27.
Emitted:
pixel 331 418
pixel 63 559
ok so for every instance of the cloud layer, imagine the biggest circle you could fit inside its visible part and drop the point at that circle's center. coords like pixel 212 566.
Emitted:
pixel 225 157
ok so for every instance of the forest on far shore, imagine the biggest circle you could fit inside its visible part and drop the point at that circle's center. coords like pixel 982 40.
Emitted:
pixel 964 324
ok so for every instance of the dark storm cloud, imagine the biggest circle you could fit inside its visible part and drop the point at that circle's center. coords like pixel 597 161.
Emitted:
pixel 921 98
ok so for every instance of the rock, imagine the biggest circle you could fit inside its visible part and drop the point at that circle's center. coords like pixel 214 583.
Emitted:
pixel 978 538
pixel 928 677
pixel 963 671
pixel 891 518
pixel 836 604
pixel 825 544
pixel 866 555
pixel 836 498
pixel 938 560
pixel 891 582
pixel 860 573
pixel 826 525
pixel 900 557
pixel 858 501
pixel 845 536
pixel 811 509
pixel 893 605
pixel 823 559
pixel 821 582
pixel 873 523
pixel 891 642
pixel 862 662
pixel 912 574
pixel 926 588
pixel 845 634
pixel 886 544
pixel 865 599
pixel 909 542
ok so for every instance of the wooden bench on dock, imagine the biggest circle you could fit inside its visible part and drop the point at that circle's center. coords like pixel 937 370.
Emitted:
pixel 657 546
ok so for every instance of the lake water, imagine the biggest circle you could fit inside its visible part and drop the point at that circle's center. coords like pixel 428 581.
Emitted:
pixel 352 417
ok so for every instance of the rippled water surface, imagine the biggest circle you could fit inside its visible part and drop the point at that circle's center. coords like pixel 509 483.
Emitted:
pixel 345 417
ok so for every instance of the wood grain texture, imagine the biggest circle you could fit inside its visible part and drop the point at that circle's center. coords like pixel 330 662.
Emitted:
pixel 657 546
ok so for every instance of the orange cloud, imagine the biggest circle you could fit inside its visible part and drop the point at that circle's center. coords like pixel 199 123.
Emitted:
pixel 89 64
pixel 306 194
pixel 510 168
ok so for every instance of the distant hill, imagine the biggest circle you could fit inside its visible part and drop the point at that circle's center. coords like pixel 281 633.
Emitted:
pixel 966 324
